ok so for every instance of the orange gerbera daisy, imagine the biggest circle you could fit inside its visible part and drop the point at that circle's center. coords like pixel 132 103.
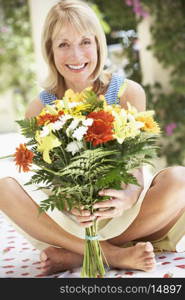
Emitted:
pixel 23 158
pixel 101 129
pixel 149 124
pixel 48 118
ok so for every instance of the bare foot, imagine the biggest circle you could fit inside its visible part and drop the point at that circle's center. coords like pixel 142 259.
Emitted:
pixel 54 260
pixel 139 257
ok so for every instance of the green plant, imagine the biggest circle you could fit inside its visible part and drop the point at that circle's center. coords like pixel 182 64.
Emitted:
pixel 168 46
pixel 120 17
pixel 16 53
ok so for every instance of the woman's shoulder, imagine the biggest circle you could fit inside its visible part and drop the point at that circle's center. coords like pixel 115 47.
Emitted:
pixel 133 93
pixel 36 105
pixel 34 108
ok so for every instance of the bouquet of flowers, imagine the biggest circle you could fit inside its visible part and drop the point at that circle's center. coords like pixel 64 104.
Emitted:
pixel 81 145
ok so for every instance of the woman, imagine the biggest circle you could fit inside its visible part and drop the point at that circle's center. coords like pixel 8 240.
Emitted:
pixel 74 47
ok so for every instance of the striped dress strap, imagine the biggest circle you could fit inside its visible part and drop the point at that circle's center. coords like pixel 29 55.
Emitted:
pixel 111 94
pixel 46 97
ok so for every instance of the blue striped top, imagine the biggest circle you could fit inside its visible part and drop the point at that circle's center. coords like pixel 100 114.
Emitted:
pixel 110 95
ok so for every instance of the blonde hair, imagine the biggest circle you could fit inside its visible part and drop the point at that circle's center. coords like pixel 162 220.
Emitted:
pixel 82 17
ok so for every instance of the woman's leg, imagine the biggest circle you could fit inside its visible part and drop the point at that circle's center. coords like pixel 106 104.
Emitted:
pixel 19 207
pixel 163 204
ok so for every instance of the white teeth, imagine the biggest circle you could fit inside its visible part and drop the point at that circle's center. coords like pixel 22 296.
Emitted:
pixel 76 67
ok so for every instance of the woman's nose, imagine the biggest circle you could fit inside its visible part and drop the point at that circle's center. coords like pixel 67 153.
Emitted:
pixel 76 52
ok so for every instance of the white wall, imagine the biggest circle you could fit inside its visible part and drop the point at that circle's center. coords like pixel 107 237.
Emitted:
pixel 38 12
pixel 152 70
pixel 7 113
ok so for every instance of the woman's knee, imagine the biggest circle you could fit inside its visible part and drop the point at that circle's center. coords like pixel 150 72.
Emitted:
pixel 172 176
pixel 171 182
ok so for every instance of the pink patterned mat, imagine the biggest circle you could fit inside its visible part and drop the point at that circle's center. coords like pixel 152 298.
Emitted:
pixel 18 259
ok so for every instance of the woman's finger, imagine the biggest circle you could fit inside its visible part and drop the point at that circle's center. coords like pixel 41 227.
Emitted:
pixel 86 224
pixel 109 213
pixel 85 218
pixel 111 193
pixel 77 212
pixel 112 202
pixel 105 204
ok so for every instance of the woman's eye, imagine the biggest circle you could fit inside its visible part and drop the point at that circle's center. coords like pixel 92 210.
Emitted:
pixel 63 45
pixel 86 42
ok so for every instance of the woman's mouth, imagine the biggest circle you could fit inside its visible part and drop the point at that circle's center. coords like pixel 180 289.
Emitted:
pixel 77 68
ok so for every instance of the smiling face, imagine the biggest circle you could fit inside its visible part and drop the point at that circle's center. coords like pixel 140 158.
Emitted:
pixel 75 56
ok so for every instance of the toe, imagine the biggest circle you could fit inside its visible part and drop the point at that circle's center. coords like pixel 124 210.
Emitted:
pixel 148 255
pixel 150 261
pixel 149 247
pixel 43 256
pixel 150 268
pixel 45 264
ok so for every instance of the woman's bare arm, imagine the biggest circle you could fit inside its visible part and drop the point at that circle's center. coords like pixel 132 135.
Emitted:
pixel 34 108
pixel 134 94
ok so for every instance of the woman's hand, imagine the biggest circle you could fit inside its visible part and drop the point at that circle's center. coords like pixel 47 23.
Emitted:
pixel 84 217
pixel 120 200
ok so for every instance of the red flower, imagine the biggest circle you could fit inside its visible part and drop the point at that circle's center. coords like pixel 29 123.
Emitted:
pixel 101 129
pixel 42 119
pixel 23 158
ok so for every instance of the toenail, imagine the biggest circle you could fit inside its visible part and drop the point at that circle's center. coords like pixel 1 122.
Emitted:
pixel 43 256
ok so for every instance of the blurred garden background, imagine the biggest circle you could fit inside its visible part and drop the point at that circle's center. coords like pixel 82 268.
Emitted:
pixel 146 43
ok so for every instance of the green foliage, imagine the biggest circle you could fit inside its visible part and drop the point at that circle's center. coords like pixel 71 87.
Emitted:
pixel 120 17
pixel 78 178
pixel 28 126
pixel 169 47
pixel 117 14
pixel 91 99
pixel 77 182
pixel 16 52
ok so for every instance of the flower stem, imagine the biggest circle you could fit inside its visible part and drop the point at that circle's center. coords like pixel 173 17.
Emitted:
pixel 7 156
pixel 93 265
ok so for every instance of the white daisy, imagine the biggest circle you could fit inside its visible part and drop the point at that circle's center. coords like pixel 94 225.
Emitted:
pixel 57 125
pixel 74 147
pixel 79 132
pixel 74 124
pixel 45 131
pixel 87 122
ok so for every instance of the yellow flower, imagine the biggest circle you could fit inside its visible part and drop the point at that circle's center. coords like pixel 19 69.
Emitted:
pixel 71 96
pixel 131 109
pixel 149 124
pixel 125 125
pixel 85 93
pixel 78 109
pixel 146 117
pixel 112 108
pixel 46 144
pixel 119 133
pixel 48 109
pixel 125 130
pixel 59 105
pixel 102 98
